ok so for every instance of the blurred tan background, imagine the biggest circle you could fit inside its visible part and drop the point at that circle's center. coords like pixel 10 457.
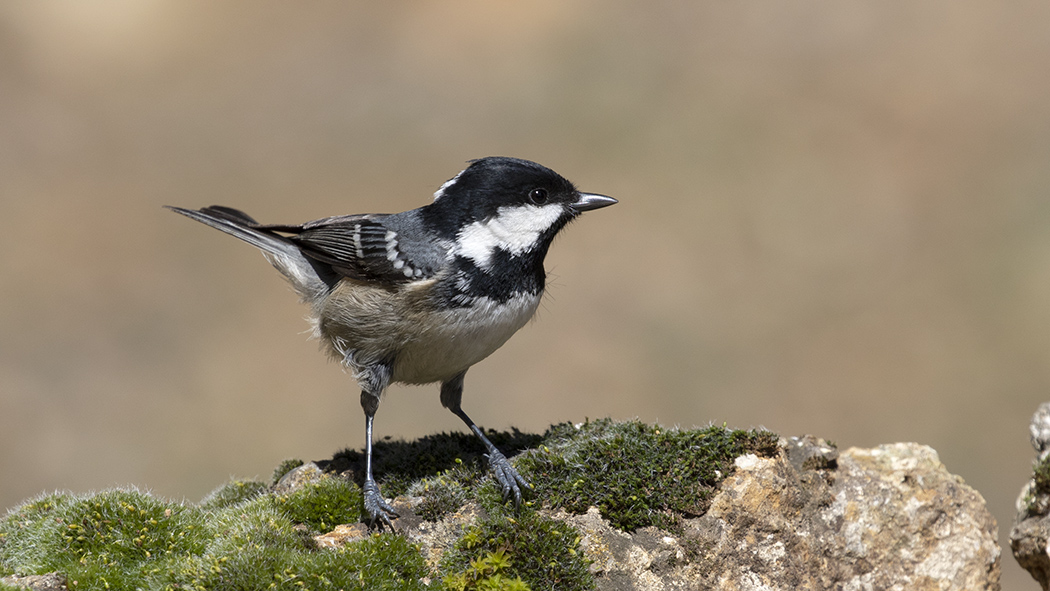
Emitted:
pixel 834 219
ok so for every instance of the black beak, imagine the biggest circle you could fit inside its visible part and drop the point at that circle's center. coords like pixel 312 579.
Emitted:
pixel 589 201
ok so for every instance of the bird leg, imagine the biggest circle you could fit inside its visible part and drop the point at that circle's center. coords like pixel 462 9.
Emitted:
pixel 378 510
pixel 510 481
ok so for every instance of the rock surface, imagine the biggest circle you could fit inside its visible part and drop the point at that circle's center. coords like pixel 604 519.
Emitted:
pixel 891 517
pixel 48 582
pixel 885 518
pixel 1031 532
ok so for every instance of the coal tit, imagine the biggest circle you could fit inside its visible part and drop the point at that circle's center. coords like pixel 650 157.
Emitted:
pixel 420 296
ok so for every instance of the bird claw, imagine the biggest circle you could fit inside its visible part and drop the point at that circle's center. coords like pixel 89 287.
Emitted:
pixel 509 480
pixel 378 510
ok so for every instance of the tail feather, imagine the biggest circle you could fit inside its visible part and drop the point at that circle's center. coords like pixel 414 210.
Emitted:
pixel 310 281
pixel 239 224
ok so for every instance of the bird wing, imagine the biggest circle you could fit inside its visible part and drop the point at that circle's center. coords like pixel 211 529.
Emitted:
pixel 389 249
pixel 367 247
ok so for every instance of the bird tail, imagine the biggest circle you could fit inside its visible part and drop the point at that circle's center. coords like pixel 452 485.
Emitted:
pixel 285 256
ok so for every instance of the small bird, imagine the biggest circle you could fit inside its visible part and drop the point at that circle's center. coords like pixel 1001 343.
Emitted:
pixel 420 296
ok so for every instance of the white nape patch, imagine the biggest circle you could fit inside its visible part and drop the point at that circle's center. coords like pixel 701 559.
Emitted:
pixel 441 190
pixel 513 228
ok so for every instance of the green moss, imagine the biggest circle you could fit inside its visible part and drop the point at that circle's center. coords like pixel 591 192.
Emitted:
pixel 284 468
pixel 322 505
pixel 257 545
pixel 233 492
pixel 125 539
pixel 542 552
pixel 259 548
pixel 637 474
pixel 382 562
pixel 108 540
pixel 255 524
pixel 444 493
pixel 26 531
pixel 1041 474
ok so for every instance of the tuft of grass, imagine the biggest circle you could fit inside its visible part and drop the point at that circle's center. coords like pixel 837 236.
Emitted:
pixel 637 474
pixel 488 573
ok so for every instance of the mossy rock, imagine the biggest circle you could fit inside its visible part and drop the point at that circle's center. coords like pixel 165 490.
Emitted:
pixel 637 474
pixel 244 535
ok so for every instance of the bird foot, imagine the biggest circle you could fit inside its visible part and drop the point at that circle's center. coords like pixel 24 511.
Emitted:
pixel 509 480
pixel 378 510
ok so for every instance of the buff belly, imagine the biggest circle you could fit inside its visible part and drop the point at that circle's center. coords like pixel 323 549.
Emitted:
pixel 359 327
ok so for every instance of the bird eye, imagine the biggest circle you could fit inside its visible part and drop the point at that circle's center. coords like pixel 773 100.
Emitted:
pixel 538 196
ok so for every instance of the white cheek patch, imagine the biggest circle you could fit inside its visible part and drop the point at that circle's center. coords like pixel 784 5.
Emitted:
pixel 514 229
